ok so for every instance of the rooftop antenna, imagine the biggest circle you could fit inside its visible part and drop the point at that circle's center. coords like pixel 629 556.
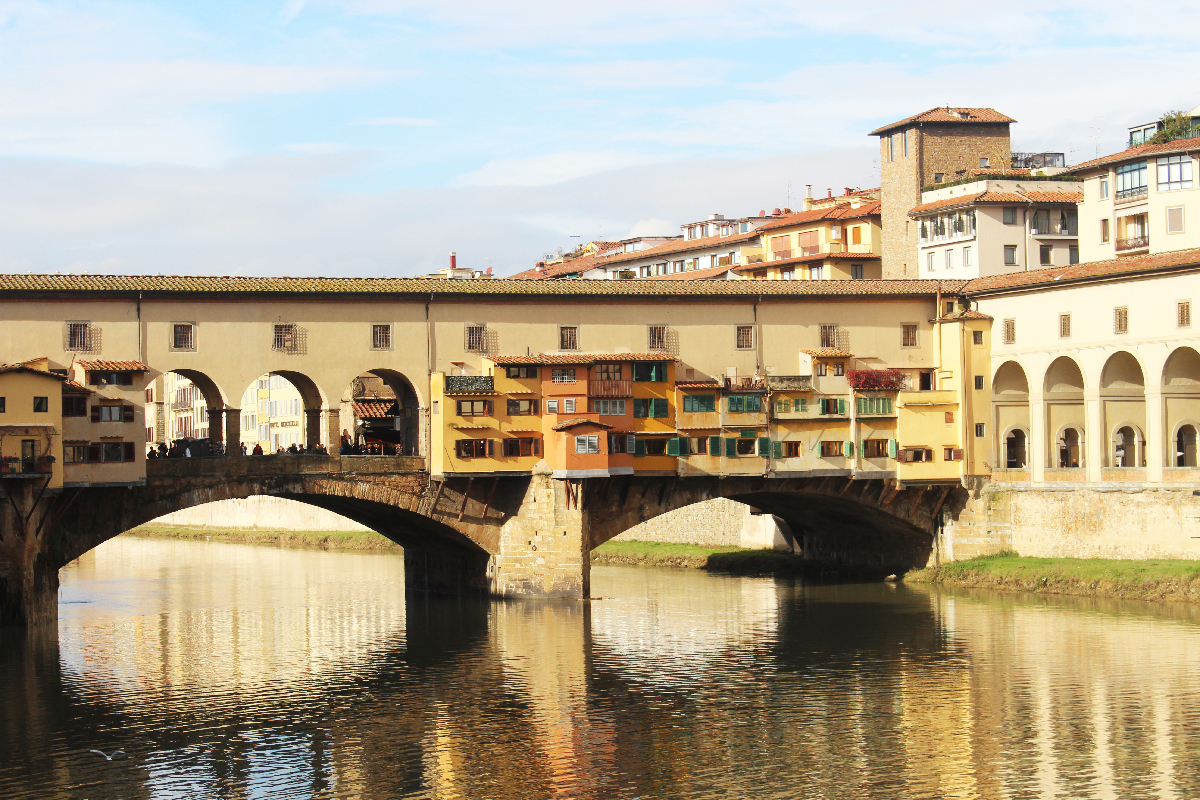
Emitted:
pixel 789 196
pixel 1095 126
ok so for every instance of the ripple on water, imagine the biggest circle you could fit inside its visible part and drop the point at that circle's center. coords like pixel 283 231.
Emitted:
pixel 229 670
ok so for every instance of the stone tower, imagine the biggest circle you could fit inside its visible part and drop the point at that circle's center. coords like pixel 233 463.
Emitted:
pixel 936 146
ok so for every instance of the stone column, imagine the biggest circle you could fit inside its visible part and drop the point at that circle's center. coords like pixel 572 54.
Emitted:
pixel 1156 451
pixel 28 574
pixel 215 424
pixel 1036 457
pixel 233 432
pixel 543 550
pixel 312 426
pixel 1097 439
pixel 333 430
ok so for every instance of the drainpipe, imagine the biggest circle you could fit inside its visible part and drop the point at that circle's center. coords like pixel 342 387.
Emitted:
pixel 428 383
pixel 141 353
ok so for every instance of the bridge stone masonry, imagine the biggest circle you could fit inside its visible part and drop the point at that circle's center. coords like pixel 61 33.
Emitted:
pixel 519 536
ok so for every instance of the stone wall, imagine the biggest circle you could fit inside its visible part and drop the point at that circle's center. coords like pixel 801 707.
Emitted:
pixel 713 522
pixel 260 512
pixel 1084 523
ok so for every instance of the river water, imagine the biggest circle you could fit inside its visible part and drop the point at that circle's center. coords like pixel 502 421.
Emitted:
pixel 251 672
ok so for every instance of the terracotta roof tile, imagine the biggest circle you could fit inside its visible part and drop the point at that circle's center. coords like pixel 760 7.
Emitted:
pixel 20 285
pixel 576 422
pixel 680 246
pixel 694 274
pixel 1165 148
pixel 805 259
pixel 966 315
pixel 1053 197
pixel 697 384
pixel 1023 196
pixel 114 366
pixel 4 368
pixel 943 114
pixel 373 409
pixel 828 352
pixel 1092 270
pixel 579 359
pixel 840 211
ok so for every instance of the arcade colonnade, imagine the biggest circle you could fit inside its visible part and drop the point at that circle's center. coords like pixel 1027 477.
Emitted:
pixel 1097 415
pixel 323 410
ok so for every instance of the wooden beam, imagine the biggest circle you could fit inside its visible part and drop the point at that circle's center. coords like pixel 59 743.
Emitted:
pixel 488 504
pixel 942 499
pixel 466 494
pixel 437 497
pixel 917 495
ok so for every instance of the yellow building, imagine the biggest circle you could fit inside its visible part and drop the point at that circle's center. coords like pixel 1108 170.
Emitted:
pixel 831 239
pixel 272 415
pixel 31 424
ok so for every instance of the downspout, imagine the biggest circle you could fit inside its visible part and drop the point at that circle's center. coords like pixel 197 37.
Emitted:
pixel 968 416
pixel 141 346
pixel 937 330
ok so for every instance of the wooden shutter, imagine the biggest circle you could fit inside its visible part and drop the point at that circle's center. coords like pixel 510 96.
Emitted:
pixel 928 455
pixel 803 401
pixel 672 446
pixel 96 416
pixel 714 446
pixel 93 453
pixel 862 448
pixel 764 446
pixel 639 447
pixel 491 445
pixel 958 454
pixel 126 413
pixel 777 449
pixel 685 446
pixel 841 406
pixel 753 403
pixel 128 451
pixel 458 448
pixel 731 448
pixel 891 448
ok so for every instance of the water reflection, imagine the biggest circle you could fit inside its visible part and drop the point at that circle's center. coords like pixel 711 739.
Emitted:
pixel 242 672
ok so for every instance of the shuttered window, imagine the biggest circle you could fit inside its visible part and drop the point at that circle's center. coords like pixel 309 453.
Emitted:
pixel 699 403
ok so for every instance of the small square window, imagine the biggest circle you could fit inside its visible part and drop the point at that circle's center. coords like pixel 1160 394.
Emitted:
pixel 1010 216
pixel 568 337
pixel 183 336
pixel 80 337
pixel 1 405
pixel 1121 320
pixel 1010 331
pixel 1047 255
pixel 908 335
pixel 979 383
pixel 977 337
pixel 938 176
pixel 1010 255
pixel 1073 254
pixel 381 336
pixel 41 405
pixel 856 272
pixel 980 430
pixel 475 338
pixel 1175 219
pixel 983 163
pixel 745 337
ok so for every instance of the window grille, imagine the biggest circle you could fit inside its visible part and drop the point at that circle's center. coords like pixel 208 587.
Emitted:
pixel 979 382
pixel 381 336
pixel 568 338
pixel 980 430
pixel 1121 320
pixel 1010 331
pixel 829 336
pixel 183 336
pixel 909 336
pixel 656 337
pixel 977 337
pixel 287 338
pixel 1184 314
pixel 476 339
pixel 82 337
pixel 1064 326
pixel 563 375
pixel 745 337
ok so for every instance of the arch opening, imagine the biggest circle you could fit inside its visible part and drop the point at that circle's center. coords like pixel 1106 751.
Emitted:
pixel 184 409
pixel 1128 448
pixel 1010 381
pixel 281 413
pixel 1066 414
pixel 1016 450
pixel 381 415
pixel 1185 446
pixel 1070 448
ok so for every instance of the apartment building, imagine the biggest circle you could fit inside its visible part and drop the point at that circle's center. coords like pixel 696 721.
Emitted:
pixel 272 414
pixel 990 227
pixel 937 146
pixel 709 248
pixel 1140 201
pixel 827 241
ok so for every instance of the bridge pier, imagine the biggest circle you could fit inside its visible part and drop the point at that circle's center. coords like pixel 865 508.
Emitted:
pixel 28 574
pixel 543 549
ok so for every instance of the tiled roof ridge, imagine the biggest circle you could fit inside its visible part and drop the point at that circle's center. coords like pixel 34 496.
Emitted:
pixel 803 259
pixel 990 196
pixel 19 283
pixel 1161 148
pixel 840 211
pixel 115 366
pixel 1091 270
pixel 948 114
pixel 577 421
pixel 34 370
pixel 577 359
pixel 681 246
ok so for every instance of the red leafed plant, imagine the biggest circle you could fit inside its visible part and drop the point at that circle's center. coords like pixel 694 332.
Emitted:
pixel 875 378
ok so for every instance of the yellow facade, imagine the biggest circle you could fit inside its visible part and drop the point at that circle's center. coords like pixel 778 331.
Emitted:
pixel 31 425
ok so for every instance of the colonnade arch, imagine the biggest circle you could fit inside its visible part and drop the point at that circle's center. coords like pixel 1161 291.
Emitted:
pixel 381 411
pixel 1123 410
pixel 185 404
pixel 1181 407
pixel 1010 405
pixel 1066 414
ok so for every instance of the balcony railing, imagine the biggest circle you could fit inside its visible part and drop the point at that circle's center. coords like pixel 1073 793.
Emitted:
pixel 810 250
pixel 1133 243
pixel 1054 228
pixel 610 388
pixel 781 254
pixel 1129 195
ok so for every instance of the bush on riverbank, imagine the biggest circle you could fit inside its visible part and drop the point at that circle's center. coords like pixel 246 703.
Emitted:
pixel 1150 579
pixel 325 540
pixel 716 558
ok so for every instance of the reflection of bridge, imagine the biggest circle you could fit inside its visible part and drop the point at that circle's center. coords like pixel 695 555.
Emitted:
pixel 507 536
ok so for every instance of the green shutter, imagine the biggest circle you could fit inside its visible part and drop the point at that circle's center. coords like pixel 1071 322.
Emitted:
pixel 709 404
pixel 862 448
pixel 747 433
pixel 731 448
pixel 714 446
pixel 685 446
pixel 891 448
pixel 764 446
pixel 688 404
pixel 841 406
pixel 887 405
pixel 640 448
pixel 803 404
pixel 659 407
pixel 672 446
pixel 754 403
pixel 736 403
pixel 640 408
pixel 783 405
pixel 860 406
pixel 777 449
pixel 848 449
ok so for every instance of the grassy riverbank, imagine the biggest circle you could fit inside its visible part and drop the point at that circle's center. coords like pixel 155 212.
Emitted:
pixel 1151 579
pixel 324 540
pixel 714 558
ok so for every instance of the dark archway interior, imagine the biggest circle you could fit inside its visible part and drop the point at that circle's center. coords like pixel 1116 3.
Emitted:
pixel 403 429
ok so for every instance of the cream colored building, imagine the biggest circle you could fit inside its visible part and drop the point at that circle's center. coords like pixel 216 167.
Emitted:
pixel 272 414
pixel 1095 372
pixel 1140 201
pixel 990 227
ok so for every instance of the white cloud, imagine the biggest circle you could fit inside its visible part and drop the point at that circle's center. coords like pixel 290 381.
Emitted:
pixel 551 168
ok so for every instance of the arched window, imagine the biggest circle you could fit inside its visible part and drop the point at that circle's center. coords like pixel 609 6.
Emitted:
pixel 1015 449
pixel 1185 446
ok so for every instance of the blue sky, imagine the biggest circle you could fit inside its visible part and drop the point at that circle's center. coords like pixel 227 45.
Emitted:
pixel 372 137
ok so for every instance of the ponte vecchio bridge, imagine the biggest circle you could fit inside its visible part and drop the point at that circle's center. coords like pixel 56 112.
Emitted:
pixel 521 527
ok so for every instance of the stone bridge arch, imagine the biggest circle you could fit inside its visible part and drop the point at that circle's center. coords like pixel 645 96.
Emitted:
pixel 875 524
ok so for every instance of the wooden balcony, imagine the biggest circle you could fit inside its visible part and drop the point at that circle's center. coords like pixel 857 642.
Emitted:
pixel 610 388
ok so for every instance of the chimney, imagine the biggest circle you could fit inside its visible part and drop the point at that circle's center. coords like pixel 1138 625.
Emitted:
pixel 849 191
pixel 808 198
pixel 453 260
pixel 787 211
pixel 829 192
pixel 776 212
